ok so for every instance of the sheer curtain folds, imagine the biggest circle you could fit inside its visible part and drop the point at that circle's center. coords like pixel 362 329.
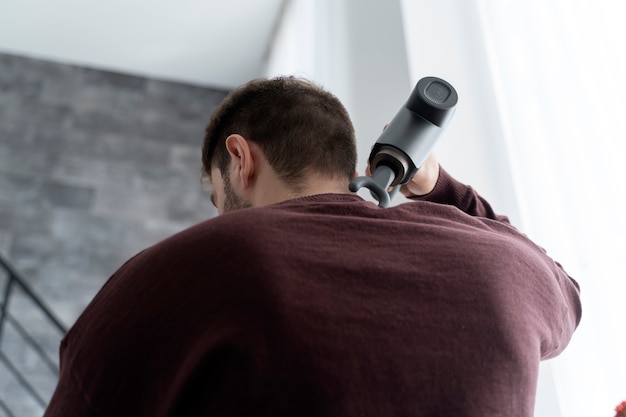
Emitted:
pixel 559 73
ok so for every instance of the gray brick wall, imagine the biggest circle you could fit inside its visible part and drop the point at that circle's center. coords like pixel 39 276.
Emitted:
pixel 94 166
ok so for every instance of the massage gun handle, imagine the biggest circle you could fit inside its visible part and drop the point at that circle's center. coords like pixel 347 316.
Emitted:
pixel 408 140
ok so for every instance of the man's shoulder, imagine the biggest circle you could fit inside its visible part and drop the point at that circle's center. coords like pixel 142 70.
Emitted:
pixel 239 223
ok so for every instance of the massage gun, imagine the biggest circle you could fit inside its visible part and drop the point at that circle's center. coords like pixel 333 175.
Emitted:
pixel 407 141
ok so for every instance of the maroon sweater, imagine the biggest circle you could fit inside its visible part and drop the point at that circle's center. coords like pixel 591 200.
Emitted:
pixel 325 306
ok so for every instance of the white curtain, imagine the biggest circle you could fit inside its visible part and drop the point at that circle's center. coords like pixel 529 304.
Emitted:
pixel 558 69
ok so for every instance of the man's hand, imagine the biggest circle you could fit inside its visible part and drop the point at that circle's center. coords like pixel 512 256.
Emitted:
pixel 424 180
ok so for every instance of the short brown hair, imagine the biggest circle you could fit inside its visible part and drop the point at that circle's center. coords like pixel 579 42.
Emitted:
pixel 299 126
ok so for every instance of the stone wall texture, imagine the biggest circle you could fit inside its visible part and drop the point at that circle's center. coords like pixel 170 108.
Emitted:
pixel 94 166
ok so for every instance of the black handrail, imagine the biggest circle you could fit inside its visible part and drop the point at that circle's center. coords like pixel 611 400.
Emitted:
pixel 6 409
pixel 16 279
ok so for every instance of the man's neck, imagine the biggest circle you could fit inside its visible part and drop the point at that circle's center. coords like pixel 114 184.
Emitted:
pixel 276 191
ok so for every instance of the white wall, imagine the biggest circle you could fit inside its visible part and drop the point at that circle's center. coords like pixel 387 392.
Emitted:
pixel 208 42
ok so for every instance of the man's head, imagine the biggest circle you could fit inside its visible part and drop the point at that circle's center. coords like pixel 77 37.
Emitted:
pixel 300 130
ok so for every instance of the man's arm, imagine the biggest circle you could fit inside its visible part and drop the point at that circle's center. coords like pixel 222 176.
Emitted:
pixel 433 183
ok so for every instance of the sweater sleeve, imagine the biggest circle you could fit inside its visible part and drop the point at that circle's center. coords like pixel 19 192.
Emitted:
pixel 565 290
pixel 451 192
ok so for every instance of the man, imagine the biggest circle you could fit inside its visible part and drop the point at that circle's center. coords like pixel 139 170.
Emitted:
pixel 302 299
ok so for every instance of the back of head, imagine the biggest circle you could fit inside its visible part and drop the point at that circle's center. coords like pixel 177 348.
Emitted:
pixel 300 127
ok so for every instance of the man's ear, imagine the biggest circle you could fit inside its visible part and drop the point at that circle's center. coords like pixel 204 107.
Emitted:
pixel 239 150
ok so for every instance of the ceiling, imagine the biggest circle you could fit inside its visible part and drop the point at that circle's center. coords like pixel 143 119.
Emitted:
pixel 220 43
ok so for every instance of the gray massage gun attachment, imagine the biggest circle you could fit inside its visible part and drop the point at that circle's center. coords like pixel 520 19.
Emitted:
pixel 407 141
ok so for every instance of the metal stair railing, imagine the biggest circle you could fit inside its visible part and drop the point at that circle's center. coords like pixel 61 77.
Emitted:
pixel 14 279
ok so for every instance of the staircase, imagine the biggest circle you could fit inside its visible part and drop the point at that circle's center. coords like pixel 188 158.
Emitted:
pixel 29 340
